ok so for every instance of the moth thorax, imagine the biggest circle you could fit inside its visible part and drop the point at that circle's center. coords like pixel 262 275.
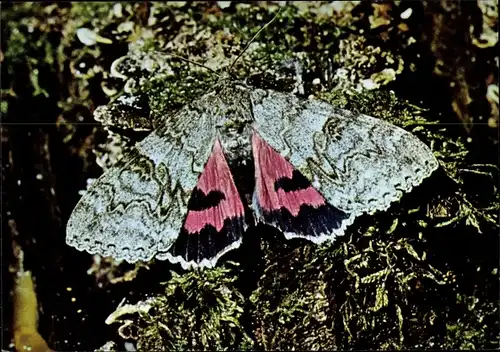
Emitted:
pixel 236 143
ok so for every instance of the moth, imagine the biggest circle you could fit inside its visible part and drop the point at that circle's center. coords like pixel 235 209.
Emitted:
pixel 314 168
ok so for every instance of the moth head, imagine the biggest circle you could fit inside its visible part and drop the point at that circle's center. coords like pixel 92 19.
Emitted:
pixel 234 126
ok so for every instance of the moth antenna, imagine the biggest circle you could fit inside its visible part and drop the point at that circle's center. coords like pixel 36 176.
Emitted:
pixel 253 39
pixel 239 56
pixel 194 63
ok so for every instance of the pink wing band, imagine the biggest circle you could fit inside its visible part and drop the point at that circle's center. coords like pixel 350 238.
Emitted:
pixel 270 167
pixel 215 177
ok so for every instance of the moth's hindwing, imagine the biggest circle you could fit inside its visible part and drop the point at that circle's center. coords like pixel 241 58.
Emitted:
pixel 285 199
pixel 215 220
pixel 135 210
pixel 358 163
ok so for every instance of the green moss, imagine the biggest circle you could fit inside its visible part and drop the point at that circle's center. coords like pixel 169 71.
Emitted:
pixel 3 107
pixel 90 12
pixel 199 310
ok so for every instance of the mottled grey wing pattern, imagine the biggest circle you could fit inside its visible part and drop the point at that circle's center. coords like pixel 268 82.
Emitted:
pixel 136 209
pixel 359 163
